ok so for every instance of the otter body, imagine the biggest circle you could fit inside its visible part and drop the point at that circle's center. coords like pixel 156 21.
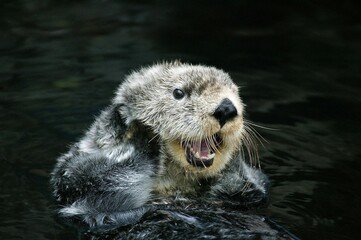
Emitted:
pixel 172 129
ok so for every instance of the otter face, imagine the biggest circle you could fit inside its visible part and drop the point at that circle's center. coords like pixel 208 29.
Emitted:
pixel 195 110
pixel 213 125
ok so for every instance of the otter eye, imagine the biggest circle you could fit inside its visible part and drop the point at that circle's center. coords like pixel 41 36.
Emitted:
pixel 178 93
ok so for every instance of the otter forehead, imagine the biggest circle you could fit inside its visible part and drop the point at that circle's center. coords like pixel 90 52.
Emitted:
pixel 170 75
pixel 196 79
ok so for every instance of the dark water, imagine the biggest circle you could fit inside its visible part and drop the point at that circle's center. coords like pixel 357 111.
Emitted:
pixel 298 63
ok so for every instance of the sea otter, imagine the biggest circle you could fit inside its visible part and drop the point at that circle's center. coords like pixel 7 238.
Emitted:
pixel 172 129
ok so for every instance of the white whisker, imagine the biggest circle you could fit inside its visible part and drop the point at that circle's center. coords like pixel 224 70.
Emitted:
pixel 259 126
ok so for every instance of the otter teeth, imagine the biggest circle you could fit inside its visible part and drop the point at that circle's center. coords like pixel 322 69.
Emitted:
pixel 200 153
pixel 202 157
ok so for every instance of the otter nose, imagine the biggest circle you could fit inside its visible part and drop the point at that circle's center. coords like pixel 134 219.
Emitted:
pixel 225 112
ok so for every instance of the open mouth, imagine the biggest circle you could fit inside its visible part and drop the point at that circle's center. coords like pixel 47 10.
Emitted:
pixel 200 153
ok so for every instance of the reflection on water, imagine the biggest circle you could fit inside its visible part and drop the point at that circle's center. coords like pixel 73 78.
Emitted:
pixel 297 64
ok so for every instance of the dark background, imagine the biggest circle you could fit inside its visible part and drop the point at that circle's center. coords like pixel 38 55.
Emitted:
pixel 298 63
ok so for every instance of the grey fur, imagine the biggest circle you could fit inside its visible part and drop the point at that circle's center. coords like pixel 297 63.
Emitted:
pixel 126 157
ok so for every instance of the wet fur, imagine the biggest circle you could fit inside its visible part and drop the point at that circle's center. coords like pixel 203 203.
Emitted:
pixel 132 153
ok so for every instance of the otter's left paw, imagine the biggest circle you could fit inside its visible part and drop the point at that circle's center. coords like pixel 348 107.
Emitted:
pixel 246 190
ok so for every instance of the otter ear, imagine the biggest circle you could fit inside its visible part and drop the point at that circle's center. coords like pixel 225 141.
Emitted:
pixel 122 100
pixel 126 114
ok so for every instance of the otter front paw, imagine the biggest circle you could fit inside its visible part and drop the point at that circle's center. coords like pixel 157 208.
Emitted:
pixel 242 190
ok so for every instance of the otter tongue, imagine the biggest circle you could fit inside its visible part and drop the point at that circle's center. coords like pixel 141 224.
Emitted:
pixel 201 148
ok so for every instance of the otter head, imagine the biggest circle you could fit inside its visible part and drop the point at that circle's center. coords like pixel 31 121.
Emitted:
pixel 195 110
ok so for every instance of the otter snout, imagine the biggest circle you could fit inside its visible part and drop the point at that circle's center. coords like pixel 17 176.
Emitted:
pixel 225 112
